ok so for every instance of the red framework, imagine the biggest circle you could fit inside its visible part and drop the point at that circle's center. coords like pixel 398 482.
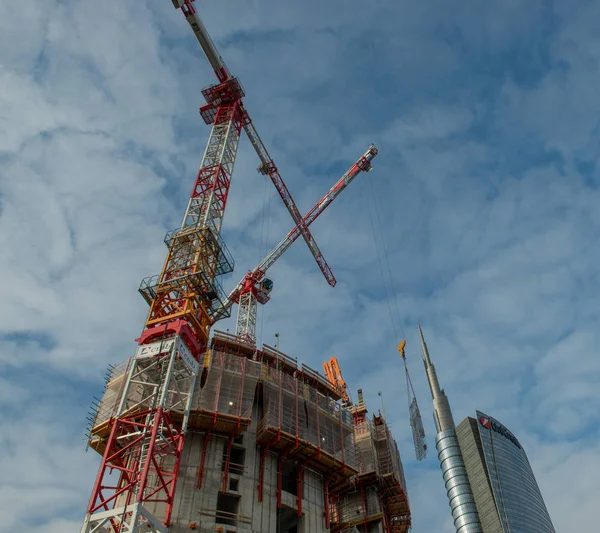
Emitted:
pixel 216 178
pixel 136 470
pixel 136 458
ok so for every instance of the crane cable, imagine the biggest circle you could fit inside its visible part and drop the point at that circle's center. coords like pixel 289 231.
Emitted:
pixel 388 281
pixel 264 239
pixel 413 408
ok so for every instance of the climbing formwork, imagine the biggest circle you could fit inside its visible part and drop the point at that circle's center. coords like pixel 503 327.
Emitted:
pixel 376 500
pixel 105 409
pixel 271 446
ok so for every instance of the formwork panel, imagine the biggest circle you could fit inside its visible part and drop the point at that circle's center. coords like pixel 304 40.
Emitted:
pixel 296 414
pixel 224 403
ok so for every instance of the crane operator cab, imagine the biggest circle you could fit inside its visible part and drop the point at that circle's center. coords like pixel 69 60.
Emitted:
pixel 266 285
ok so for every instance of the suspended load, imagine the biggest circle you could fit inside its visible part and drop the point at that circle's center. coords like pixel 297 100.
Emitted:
pixel 416 423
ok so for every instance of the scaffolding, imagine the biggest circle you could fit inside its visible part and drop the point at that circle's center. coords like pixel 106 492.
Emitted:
pixel 224 404
pixel 363 432
pixel 378 492
pixel 356 508
pixel 301 417
pixel 102 413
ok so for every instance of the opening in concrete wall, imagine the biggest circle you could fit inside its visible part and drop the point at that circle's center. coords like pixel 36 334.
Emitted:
pixel 289 477
pixel 288 521
pixel 234 485
pixel 227 509
pixel 237 460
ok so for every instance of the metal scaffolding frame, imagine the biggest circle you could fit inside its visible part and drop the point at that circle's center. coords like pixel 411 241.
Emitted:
pixel 302 418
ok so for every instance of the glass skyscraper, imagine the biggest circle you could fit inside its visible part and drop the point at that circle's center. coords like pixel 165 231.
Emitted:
pixel 489 482
pixel 506 494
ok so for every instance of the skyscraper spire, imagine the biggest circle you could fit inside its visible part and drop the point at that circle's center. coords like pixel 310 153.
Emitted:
pixel 424 345
pixel 441 407
pixel 458 489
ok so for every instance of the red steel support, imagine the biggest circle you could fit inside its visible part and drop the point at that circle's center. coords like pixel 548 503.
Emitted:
pixel 326 500
pixel 318 426
pixel 386 517
pixel 299 487
pixel 326 493
pixel 241 394
pixel 227 463
pixel 261 472
pixel 364 505
pixel 203 459
pixel 280 477
pixel 98 487
pixel 342 438
pixel 129 436
pixel 297 424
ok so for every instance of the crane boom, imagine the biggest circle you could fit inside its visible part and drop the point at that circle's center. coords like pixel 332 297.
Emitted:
pixel 203 37
pixel 363 164
pixel 267 166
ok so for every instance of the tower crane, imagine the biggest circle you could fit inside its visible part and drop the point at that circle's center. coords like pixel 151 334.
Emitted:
pixel 255 288
pixel 143 442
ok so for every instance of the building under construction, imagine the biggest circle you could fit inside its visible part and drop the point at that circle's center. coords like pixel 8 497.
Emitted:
pixel 271 446
pixel 202 430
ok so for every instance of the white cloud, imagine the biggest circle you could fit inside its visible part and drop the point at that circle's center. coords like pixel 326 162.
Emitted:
pixel 490 224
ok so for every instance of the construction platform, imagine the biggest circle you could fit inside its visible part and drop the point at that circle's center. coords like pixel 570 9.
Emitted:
pixel 271 446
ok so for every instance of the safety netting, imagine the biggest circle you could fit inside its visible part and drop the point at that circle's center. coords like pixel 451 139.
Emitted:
pixel 293 406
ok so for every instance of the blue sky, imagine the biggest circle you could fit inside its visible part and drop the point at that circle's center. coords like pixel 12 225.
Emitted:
pixel 487 120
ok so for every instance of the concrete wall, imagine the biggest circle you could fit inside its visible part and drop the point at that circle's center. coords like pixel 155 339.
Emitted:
pixel 193 505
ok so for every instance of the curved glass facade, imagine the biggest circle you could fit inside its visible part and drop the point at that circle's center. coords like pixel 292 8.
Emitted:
pixel 518 499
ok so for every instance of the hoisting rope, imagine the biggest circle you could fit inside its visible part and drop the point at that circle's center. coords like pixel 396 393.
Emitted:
pixel 392 302
pixel 390 298
pixel 264 239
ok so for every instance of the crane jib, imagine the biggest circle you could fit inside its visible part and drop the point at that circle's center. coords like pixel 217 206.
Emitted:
pixel 260 271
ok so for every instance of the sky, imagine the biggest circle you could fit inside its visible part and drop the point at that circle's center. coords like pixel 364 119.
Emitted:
pixel 480 220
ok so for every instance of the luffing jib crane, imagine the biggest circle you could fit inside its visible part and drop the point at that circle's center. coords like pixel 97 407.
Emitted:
pixel 255 288
pixel 142 444
pixel 334 374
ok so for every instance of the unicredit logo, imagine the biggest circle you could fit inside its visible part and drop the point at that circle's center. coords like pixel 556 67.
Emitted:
pixel 498 428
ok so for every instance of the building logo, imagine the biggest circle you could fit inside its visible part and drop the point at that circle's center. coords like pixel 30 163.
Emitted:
pixel 490 423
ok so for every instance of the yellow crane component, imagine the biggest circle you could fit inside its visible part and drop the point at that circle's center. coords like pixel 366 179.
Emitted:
pixel 401 347
pixel 334 375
